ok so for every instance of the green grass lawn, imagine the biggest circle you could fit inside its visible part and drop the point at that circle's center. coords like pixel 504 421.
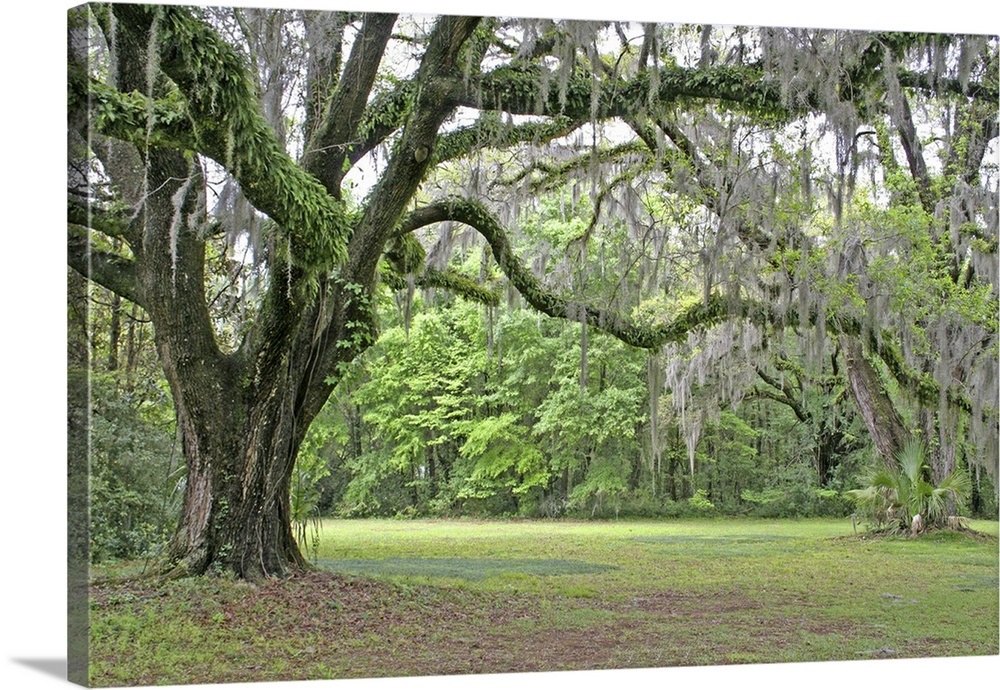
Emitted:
pixel 395 597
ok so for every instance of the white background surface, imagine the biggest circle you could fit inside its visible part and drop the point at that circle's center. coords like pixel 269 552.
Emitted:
pixel 32 324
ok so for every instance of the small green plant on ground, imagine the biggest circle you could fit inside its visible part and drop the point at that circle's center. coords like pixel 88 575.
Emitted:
pixel 895 496
pixel 304 496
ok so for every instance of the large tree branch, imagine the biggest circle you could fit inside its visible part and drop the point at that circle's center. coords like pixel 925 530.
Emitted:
pixel 519 89
pixel 107 269
pixel 914 153
pixel 783 393
pixel 223 108
pixel 457 284
pixel 490 132
pixel 938 85
pixel 168 216
pixel 883 421
pixel 328 147
pixel 778 397
pixel 476 215
pixel 414 152
pixel 351 325
pixel 138 119
pixel 324 34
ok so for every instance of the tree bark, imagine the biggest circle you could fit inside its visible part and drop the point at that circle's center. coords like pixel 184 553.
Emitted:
pixel 885 426
pixel 236 506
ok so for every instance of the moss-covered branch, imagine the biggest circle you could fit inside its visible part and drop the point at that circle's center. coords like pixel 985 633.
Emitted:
pixel 458 284
pixel 490 132
pixel 405 255
pixel 222 108
pixel 943 85
pixel 758 393
pixel 476 215
pixel 384 115
pixel 780 391
pixel 520 89
pixel 138 119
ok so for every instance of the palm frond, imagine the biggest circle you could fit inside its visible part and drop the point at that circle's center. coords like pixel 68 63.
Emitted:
pixel 912 460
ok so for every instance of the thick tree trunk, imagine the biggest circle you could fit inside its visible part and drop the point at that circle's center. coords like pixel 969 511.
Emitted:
pixel 241 416
pixel 884 424
pixel 240 447
pixel 235 515
pixel 241 431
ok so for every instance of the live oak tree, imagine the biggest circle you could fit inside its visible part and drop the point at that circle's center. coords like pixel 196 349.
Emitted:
pixel 213 155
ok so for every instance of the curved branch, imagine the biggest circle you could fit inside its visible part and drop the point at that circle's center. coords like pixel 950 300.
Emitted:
pixel 757 393
pixel 714 310
pixel 476 215
pixel 782 393
pixel 458 284
pixel 490 132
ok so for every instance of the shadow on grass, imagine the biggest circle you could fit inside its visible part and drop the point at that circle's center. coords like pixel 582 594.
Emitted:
pixel 460 568
pixel 721 546
pixel 971 583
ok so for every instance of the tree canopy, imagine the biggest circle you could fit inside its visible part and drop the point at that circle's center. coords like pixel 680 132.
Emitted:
pixel 796 215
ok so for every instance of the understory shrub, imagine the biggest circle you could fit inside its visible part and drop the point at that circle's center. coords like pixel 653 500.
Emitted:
pixel 894 495
pixel 136 478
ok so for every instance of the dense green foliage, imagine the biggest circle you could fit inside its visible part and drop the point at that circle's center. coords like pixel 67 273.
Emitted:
pixel 136 472
pixel 447 425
